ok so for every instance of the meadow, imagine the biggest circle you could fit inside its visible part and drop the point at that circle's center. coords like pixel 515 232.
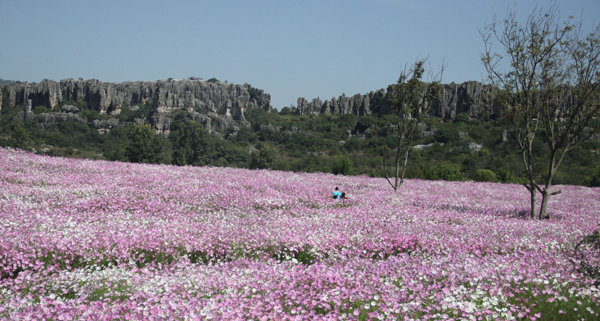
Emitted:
pixel 98 240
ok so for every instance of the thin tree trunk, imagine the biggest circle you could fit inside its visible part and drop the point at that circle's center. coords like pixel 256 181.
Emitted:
pixel 533 193
pixel 544 207
pixel 554 164
pixel 404 167
pixel 528 163
pixel 396 186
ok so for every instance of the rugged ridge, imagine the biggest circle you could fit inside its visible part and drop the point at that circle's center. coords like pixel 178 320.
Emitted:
pixel 224 102
pixel 165 95
pixel 470 97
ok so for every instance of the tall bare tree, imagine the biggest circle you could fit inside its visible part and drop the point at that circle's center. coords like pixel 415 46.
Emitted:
pixel 410 100
pixel 547 74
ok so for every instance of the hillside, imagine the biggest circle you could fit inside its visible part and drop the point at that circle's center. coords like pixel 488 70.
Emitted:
pixel 92 119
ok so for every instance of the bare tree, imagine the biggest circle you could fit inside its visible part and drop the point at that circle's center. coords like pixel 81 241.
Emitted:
pixel 410 99
pixel 547 75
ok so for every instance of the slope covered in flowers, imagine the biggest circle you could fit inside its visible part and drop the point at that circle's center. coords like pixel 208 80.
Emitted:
pixel 83 239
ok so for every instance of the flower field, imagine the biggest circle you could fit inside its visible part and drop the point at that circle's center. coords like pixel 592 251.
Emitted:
pixel 95 240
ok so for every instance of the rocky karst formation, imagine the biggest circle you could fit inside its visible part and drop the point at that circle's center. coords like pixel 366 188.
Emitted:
pixel 470 97
pixel 68 114
pixel 167 95
pixel 227 101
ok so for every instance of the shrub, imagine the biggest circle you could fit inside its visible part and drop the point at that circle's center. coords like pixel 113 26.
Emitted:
pixel 446 172
pixel 264 157
pixel 485 175
pixel 41 110
pixel 342 165
pixel 20 138
pixel 595 179
pixel 505 175
pixel 191 145
pixel 145 146
pixel 587 252
pixel 449 172
pixel 462 118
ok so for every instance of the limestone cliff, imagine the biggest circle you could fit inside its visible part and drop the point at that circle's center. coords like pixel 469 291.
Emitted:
pixel 224 102
pixel 106 97
pixel 470 97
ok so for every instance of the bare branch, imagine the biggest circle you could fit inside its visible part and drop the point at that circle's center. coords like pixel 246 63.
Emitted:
pixel 548 77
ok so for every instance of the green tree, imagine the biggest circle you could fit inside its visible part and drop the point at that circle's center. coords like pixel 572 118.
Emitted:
pixel 485 175
pixel 505 175
pixel 145 146
pixel 264 157
pixel 20 138
pixel 311 164
pixel 41 109
pixel 286 111
pixel 410 98
pixel 595 180
pixel 449 172
pixel 191 145
pixel 113 151
pixel 548 77
pixel 342 165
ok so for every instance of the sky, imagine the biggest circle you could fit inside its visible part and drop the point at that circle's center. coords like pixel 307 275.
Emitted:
pixel 290 49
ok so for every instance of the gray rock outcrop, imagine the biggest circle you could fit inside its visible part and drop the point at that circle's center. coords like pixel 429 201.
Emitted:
pixel 162 123
pixel 470 97
pixel 358 104
pixel 106 97
pixel 105 125
pixel 47 119
pixel 70 109
pixel 226 101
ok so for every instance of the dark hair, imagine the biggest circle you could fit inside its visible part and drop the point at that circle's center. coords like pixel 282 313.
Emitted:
pixel 343 195
pixel 336 188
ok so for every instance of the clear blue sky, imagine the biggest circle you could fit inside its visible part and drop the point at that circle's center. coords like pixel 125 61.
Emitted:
pixel 289 48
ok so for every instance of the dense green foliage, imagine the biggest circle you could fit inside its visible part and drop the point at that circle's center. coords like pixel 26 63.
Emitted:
pixel 587 252
pixel 446 172
pixel 263 158
pixel 485 175
pixel 20 139
pixel 344 144
pixel 342 165
pixel 191 145
pixel 595 179
pixel 144 145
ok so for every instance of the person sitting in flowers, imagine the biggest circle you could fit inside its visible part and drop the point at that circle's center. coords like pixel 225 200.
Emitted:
pixel 336 194
pixel 343 197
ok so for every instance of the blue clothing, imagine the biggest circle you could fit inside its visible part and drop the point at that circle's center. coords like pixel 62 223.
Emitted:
pixel 337 195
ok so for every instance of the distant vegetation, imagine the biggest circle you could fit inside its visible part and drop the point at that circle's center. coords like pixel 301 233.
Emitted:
pixel 346 144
